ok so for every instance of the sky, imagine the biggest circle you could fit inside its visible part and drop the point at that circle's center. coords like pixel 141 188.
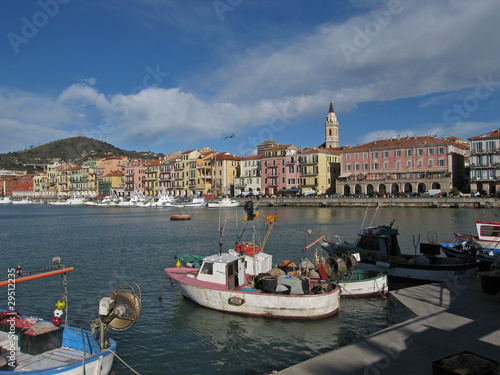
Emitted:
pixel 166 76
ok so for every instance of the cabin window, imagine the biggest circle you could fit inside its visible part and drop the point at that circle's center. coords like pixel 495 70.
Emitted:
pixel 490 231
pixel 207 268
pixel 368 243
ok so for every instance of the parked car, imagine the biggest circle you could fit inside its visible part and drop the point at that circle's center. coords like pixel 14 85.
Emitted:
pixel 442 194
pixel 399 194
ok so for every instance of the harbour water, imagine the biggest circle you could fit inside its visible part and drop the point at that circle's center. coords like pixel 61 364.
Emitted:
pixel 109 246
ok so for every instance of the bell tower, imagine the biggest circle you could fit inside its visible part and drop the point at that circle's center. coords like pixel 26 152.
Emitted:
pixel 331 129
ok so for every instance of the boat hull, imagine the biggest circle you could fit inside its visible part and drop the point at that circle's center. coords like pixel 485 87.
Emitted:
pixel 49 363
pixel 366 286
pixel 253 302
pixel 427 273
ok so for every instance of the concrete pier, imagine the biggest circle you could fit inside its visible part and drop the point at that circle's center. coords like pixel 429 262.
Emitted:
pixel 448 318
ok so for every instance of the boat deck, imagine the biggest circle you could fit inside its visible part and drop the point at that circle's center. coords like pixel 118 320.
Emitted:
pixel 51 358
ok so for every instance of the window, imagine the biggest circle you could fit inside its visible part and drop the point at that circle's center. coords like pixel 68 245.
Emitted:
pixel 420 163
pixel 365 155
pixel 408 164
pixel 386 165
pixel 397 153
pixel 440 163
pixel 431 163
pixel 385 154
pixel 408 152
pixel 365 166
pixel 356 167
pixel 430 151
pixel 348 167
pixel 420 152
pixel 440 150
pixel 375 155
pixel 356 156
pixel 375 165
pixel 348 157
pixel 398 164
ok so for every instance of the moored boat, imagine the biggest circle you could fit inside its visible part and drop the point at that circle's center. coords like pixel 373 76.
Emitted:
pixel 488 234
pixel 224 202
pixel 237 283
pixel 5 200
pixel 380 252
pixel 38 346
pixel 362 283
pixel 470 248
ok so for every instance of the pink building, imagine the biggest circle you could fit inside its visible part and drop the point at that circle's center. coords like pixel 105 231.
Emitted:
pixel 402 165
pixel 279 168
pixel 135 176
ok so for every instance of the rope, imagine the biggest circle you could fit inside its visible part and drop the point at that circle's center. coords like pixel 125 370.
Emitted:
pixel 361 299
pixel 291 230
pixel 121 360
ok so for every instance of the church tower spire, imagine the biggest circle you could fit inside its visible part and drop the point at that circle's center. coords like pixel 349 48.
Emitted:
pixel 331 129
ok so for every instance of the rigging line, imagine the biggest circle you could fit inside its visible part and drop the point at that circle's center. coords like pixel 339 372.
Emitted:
pixel 121 360
pixel 361 299
pixel 291 230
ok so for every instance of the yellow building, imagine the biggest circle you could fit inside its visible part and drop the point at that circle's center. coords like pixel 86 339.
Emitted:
pixel 319 168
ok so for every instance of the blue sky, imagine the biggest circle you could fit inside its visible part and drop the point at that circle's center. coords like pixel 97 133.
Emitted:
pixel 165 76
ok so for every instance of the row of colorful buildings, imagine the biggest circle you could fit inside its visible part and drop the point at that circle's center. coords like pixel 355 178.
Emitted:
pixel 398 165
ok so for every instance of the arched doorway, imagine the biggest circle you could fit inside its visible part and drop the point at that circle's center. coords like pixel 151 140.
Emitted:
pixel 357 189
pixel 421 188
pixel 408 188
pixel 382 190
pixel 394 188
pixel 347 190
pixel 369 189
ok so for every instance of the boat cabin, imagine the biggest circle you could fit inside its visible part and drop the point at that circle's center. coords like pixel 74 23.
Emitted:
pixel 488 231
pixel 224 269
pixel 379 241
pixel 230 269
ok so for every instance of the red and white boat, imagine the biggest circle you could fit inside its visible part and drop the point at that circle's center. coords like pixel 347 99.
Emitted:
pixel 488 234
pixel 240 282
pixel 222 284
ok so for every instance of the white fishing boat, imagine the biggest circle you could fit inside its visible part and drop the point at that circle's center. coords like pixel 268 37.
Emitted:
pixel 74 201
pixel 192 202
pixel 163 200
pixel 23 201
pixel 362 283
pixel 39 346
pixel 224 202
pixel 5 200
pixel 379 251
pixel 234 282
pixel 221 284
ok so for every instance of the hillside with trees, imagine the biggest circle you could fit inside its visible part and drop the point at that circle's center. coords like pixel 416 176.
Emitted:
pixel 71 150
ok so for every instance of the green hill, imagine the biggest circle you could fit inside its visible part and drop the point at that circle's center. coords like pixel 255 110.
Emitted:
pixel 75 150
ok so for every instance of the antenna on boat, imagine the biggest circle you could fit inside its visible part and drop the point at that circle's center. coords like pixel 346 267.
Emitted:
pixel 221 229
pixel 374 214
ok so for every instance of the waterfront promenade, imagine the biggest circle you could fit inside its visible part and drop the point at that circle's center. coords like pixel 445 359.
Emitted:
pixel 429 202
pixel 447 319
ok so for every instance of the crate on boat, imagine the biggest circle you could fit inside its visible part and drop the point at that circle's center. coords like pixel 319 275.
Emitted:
pixel 40 338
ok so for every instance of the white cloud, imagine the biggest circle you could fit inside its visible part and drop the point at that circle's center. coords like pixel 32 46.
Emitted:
pixel 421 48
pixel 462 130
